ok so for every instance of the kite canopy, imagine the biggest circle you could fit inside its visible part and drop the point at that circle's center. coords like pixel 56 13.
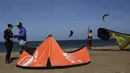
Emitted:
pixel 49 55
pixel 71 33
pixel 103 34
pixel 121 39
pixel 103 18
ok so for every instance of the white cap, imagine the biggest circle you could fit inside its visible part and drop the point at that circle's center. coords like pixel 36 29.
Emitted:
pixel 19 23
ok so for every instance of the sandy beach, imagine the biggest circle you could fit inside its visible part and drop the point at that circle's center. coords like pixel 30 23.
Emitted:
pixel 107 59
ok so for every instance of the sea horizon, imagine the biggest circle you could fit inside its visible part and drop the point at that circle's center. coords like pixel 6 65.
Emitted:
pixel 64 44
pixel 56 40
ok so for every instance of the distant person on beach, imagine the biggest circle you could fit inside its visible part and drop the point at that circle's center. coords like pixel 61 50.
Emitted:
pixel 89 39
pixel 21 37
pixel 8 36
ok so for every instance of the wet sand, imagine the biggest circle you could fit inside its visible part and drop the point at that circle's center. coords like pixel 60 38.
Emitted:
pixel 107 59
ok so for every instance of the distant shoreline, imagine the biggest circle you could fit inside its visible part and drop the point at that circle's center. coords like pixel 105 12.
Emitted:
pixel 63 44
pixel 93 48
pixel 58 40
pixel 70 49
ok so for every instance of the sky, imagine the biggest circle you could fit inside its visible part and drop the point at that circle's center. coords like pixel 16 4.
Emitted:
pixel 58 17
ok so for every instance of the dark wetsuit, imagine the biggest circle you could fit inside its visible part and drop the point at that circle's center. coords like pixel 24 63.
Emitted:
pixel 8 43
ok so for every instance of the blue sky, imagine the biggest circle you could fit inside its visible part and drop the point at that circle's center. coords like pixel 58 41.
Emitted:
pixel 41 17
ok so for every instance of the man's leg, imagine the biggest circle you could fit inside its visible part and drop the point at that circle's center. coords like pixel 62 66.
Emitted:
pixel 7 55
pixel 20 52
pixel 21 49
pixel 89 43
pixel 7 52
pixel 22 46
pixel 10 50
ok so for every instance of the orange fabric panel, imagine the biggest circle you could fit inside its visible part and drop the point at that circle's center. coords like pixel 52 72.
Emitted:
pixel 81 56
pixel 51 49
pixel 58 57
pixel 41 55
pixel 24 58
pixel 56 54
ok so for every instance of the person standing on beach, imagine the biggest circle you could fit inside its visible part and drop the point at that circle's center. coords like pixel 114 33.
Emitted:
pixel 8 36
pixel 22 36
pixel 89 39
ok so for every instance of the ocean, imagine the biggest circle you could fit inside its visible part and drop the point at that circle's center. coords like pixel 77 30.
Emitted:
pixel 65 44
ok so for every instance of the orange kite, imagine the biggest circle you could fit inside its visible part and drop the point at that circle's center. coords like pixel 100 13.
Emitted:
pixel 49 55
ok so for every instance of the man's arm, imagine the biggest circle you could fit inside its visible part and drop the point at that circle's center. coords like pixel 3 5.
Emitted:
pixel 88 29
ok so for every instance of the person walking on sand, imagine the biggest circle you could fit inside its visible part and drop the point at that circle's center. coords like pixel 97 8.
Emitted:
pixel 22 36
pixel 8 36
pixel 89 39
